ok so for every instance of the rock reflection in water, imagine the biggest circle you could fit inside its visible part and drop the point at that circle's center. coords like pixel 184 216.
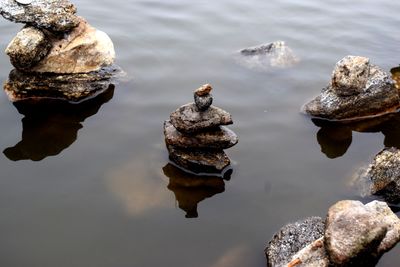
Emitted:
pixel 51 125
pixel 191 189
pixel 336 137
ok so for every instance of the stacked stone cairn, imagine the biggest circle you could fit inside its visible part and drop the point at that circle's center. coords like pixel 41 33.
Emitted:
pixel 195 135
pixel 54 46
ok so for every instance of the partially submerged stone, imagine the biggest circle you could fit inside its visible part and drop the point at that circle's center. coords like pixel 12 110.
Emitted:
pixel 267 56
pixel 291 239
pixel 53 15
pixel 220 138
pixel 69 87
pixel 382 176
pixel 189 119
pixel 199 160
pixel 28 48
pixel 345 100
pixel 85 49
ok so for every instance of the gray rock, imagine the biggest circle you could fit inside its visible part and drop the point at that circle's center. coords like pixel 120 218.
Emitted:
pixel 357 234
pixel 199 160
pixel 70 87
pixel 350 75
pixel 382 176
pixel 378 97
pixel 53 15
pixel 267 56
pixel 203 102
pixel 188 119
pixel 292 238
pixel 220 138
pixel 28 48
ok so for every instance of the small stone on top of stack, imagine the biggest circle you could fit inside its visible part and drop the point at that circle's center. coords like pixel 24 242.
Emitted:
pixel 196 136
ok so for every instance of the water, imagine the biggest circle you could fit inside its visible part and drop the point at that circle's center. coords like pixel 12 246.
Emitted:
pixel 93 191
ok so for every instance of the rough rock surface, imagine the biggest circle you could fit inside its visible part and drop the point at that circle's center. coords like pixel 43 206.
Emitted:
pixel 292 238
pixel 378 97
pixel 357 234
pixel 350 75
pixel 199 160
pixel 220 138
pixel 203 90
pixel 188 119
pixel 313 255
pixel 70 87
pixel 28 48
pixel 382 177
pixel 203 102
pixel 53 15
pixel 267 56
pixel 84 49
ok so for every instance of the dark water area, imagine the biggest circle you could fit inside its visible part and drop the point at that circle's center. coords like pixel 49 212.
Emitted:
pixel 91 184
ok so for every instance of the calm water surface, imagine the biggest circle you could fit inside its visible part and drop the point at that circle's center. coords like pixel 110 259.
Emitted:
pixel 91 187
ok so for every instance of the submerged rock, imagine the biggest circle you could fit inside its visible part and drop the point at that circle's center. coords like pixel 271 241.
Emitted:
pixel 358 235
pixel 53 15
pixel 382 176
pixel 69 87
pixel 358 90
pixel 268 56
pixel 220 138
pixel 199 160
pixel 191 189
pixel 28 48
pixel 291 239
pixel 84 49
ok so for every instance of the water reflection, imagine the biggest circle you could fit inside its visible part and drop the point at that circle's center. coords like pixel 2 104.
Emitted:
pixel 50 126
pixel 336 137
pixel 190 189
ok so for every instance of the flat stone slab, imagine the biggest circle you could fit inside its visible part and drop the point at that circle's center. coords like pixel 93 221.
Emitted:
pixel 52 15
pixel 199 160
pixel 69 87
pixel 188 119
pixel 379 97
pixel 220 138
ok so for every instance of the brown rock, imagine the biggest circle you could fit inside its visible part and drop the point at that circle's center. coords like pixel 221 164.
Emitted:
pixel 28 48
pixel 203 90
pixel 84 49
pixel 313 255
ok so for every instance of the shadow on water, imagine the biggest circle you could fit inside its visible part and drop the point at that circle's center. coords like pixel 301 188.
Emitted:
pixel 191 189
pixel 336 137
pixel 50 126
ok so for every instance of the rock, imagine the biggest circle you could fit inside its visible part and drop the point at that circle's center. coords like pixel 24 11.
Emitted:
pixel 357 234
pixel 220 138
pixel 378 97
pixel 53 15
pixel 70 87
pixel 382 177
pixel 313 255
pixel 203 102
pixel 268 56
pixel 203 90
pixel 350 75
pixel 85 49
pixel 190 189
pixel 292 238
pixel 188 119
pixel 28 48
pixel 199 160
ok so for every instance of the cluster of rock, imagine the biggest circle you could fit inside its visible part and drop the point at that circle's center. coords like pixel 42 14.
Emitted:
pixel 357 90
pixel 196 137
pixel 353 234
pixel 267 56
pixel 54 40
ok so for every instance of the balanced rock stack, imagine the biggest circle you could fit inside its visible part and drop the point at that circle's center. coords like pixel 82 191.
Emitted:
pixel 54 41
pixel 195 135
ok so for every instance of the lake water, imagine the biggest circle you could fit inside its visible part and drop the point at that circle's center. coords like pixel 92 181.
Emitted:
pixel 91 187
